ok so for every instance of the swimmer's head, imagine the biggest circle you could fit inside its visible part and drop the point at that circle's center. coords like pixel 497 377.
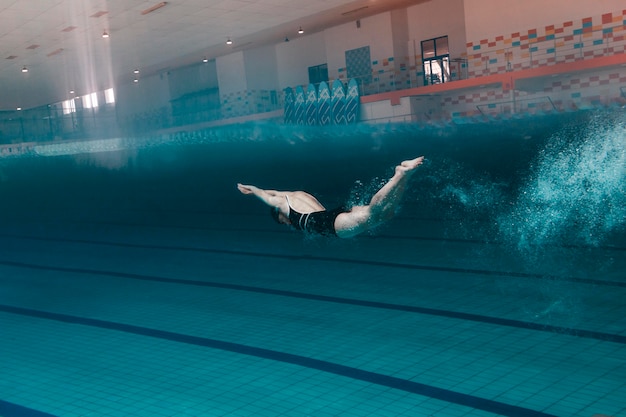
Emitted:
pixel 274 212
pixel 279 217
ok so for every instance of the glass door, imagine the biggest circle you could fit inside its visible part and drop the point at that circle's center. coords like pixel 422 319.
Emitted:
pixel 436 60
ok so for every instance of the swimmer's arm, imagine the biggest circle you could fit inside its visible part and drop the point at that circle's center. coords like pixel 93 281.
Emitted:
pixel 270 197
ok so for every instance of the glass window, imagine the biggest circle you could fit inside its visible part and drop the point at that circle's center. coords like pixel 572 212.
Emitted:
pixel 428 49
pixel 441 46
pixel 69 106
pixel 90 101
pixel 318 73
pixel 109 96
pixel 436 60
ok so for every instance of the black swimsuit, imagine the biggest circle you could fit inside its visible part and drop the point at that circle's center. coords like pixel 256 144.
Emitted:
pixel 318 222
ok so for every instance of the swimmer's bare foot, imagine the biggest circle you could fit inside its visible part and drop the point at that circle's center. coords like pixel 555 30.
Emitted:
pixel 407 167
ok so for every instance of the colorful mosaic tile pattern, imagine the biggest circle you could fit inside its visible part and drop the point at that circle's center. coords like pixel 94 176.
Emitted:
pixel 358 64
pixel 388 74
pixel 578 92
pixel 243 103
pixel 588 37
pixel 393 73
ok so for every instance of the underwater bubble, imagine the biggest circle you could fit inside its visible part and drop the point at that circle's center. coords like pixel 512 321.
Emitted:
pixel 576 192
pixel 466 189
pixel 361 194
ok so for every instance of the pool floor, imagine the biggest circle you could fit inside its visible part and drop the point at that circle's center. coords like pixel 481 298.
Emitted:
pixel 227 314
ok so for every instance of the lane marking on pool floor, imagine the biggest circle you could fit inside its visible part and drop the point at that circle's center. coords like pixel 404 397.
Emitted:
pixel 485 272
pixel 442 394
pixel 588 334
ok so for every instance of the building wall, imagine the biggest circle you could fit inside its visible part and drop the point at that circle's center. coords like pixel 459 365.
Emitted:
pixel 436 18
pixel 493 36
pixel 487 19
pixel 294 58
pixel 262 79
pixel 563 33
pixel 486 33
pixel 252 81
pixel 400 37
pixel 261 68
pixel 431 20
pixel 145 104
pixel 599 33
pixel 193 78
pixel 374 31
pixel 231 73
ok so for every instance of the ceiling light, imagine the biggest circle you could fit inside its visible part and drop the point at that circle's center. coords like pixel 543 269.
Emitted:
pixel 105 34
pixel 135 80
pixel 71 91
pixel 18 109
pixel 24 69
pixel 300 31
pixel 136 71
pixel 229 42
pixel 205 60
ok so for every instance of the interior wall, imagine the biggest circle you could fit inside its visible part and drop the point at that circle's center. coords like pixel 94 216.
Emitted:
pixel 488 18
pixel 193 78
pixel 294 58
pixel 150 93
pixel 374 31
pixel 231 73
pixel 400 34
pixel 438 18
pixel 261 68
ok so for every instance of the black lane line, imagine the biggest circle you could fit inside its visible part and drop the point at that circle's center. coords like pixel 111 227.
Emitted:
pixel 8 409
pixel 303 361
pixel 368 237
pixel 341 300
pixel 485 272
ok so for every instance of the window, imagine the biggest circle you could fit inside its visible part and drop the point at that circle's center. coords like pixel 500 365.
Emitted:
pixel 90 101
pixel 436 60
pixel 109 96
pixel 69 106
pixel 318 73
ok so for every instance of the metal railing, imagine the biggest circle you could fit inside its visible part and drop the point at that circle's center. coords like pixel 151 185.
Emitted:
pixel 529 105
pixel 404 78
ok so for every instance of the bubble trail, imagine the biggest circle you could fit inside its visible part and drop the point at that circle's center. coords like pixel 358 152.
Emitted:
pixel 576 192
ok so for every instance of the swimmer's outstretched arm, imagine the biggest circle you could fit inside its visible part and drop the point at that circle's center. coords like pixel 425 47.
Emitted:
pixel 270 197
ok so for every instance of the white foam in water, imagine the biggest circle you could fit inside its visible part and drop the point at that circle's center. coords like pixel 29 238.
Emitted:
pixel 576 193
pixel 475 192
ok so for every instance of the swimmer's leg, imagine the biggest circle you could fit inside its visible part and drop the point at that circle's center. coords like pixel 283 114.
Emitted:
pixel 382 206
pixel 385 202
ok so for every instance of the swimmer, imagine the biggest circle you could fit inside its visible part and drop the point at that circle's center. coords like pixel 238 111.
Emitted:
pixel 303 212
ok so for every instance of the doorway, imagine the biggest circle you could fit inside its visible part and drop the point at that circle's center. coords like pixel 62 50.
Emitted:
pixel 436 60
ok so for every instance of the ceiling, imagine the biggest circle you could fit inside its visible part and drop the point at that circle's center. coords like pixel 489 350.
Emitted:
pixel 61 43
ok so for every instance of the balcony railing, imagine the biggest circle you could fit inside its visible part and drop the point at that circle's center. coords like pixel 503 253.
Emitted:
pixel 410 77
pixel 528 105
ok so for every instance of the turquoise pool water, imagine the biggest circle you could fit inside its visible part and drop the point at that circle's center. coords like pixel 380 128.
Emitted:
pixel 139 281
